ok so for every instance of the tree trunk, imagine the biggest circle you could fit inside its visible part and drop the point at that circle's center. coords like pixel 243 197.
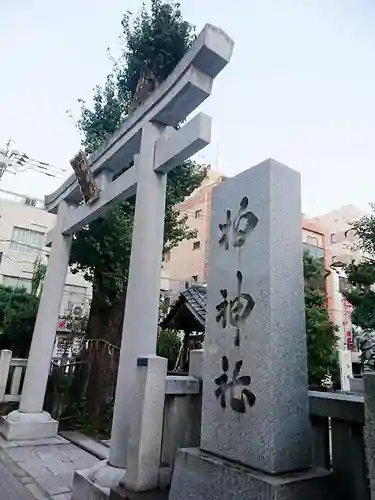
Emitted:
pixel 101 357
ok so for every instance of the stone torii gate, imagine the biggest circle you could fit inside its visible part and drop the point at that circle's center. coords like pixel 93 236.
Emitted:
pixel 149 139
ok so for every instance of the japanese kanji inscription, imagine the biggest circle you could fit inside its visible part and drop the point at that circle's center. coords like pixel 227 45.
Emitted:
pixel 235 311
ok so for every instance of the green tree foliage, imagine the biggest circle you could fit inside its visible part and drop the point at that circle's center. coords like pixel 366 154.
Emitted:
pixel 39 272
pixel 168 342
pixel 168 346
pixel 155 41
pixel 18 310
pixel 361 276
pixel 320 330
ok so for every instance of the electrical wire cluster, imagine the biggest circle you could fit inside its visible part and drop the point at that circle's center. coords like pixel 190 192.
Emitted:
pixel 14 161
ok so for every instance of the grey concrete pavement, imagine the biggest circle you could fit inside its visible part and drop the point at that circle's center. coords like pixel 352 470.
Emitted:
pixel 43 469
pixel 14 485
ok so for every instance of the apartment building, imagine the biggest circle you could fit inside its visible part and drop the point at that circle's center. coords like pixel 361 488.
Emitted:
pixel 313 238
pixel 189 261
pixel 340 236
pixel 23 227
pixel 340 250
pixel 329 237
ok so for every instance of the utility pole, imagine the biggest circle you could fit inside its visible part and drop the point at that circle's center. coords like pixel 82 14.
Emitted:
pixel 14 161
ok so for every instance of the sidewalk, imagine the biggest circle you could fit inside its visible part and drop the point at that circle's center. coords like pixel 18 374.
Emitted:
pixel 12 485
pixel 41 470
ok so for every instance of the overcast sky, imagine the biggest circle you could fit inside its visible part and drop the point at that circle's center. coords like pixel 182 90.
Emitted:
pixel 300 87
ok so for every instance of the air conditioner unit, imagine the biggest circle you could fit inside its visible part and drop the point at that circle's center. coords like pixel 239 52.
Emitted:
pixel 78 310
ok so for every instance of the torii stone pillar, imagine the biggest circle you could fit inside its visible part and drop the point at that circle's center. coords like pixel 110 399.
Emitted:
pixel 30 421
pixel 139 332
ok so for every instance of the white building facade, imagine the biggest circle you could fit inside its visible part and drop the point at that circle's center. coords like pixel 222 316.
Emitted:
pixel 24 225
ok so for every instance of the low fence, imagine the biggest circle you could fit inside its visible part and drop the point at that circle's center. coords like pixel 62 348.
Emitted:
pixel 182 417
pixel 337 434
pixel 337 419
pixel 12 372
pixel 64 373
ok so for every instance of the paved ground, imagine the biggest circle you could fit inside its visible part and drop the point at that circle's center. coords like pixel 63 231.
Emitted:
pixel 15 486
pixel 45 469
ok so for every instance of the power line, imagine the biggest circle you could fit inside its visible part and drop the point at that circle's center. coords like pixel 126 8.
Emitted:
pixel 14 161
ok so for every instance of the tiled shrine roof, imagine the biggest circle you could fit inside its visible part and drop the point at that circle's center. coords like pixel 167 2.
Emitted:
pixel 188 312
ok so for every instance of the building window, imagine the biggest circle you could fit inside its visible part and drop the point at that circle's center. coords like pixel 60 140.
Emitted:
pixel 196 245
pixel 17 282
pixel 350 235
pixel 343 284
pixel 26 240
pixel 312 240
pixel 167 256
pixel 74 296
pixel 198 213
pixel 338 237
pixel 30 202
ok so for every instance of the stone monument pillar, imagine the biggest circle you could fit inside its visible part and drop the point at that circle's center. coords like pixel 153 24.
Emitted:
pixel 255 439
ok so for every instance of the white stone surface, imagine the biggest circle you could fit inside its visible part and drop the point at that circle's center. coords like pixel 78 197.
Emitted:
pixel 85 489
pixel 182 144
pixel 39 361
pixel 96 448
pixel 47 466
pixel 346 368
pixel 255 407
pixel 146 429
pixel 57 440
pixel 95 483
pixel 18 425
pixel 182 384
pixel 196 363
pixel 5 359
pixel 142 300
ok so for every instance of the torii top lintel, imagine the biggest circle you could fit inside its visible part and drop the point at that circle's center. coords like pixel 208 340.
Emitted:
pixel 188 85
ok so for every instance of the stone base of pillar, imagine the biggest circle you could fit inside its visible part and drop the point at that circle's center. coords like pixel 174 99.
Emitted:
pixel 203 476
pixel 17 426
pixel 96 483
pixel 121 493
